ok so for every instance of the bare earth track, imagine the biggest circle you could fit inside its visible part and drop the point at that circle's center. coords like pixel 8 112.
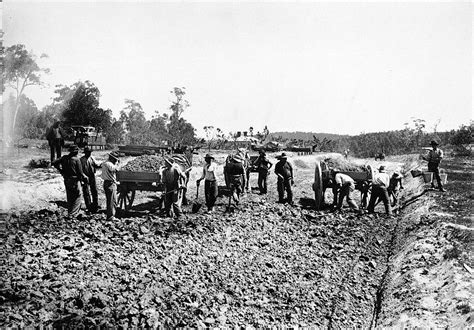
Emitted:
pixel 265 264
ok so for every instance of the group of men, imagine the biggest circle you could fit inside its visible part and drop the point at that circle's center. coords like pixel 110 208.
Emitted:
pixel 385 188
pixel 81 171
pixel 235 177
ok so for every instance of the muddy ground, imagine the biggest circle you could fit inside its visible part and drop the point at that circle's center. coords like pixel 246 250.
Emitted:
pixel 264 264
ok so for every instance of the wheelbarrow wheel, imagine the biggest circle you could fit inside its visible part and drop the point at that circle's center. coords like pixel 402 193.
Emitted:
pixel 126 198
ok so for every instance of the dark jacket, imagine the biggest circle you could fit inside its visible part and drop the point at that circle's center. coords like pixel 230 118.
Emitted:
pixel 262 163
pixel 284 169
pixel 70 167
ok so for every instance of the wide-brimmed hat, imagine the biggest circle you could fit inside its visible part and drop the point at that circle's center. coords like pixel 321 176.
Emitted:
pixel 208 156
pixel 169 160
pixel 282 156
pixel 382 169
pixel 434 143
pixel 73 148
pixel 87 149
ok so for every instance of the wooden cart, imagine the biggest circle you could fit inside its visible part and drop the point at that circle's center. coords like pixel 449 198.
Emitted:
pixel 322 175
pixel 130 182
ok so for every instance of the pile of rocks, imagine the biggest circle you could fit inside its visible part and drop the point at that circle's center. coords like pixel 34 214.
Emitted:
pixel 145 163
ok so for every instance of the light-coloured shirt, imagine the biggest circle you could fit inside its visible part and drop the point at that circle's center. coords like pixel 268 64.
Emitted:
pixel 435 156
pixel 381 179
pixel 109 171
pixel 208 172
pixel 341 179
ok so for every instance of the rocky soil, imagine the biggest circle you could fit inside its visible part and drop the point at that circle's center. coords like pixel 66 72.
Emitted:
pixel 263 264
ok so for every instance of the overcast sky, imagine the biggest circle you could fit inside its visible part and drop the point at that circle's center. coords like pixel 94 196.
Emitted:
pixel 321 67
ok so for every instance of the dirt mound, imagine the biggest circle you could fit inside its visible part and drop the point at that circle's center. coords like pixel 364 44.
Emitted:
pixel 341 164
pixel 145 163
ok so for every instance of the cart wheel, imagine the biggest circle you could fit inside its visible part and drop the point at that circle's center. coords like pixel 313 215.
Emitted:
pixel 126 198
pixel 318 187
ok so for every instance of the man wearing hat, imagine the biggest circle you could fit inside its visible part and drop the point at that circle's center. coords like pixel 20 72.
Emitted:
pixel 235 175
pixel 263 166
pixel 434 158
pixel 174 179
pixel 394 187
pixel 380 184
pixel 55 137
pixel 210 183
pixel 70 168
pixel 89 190
pixel 284 172
pixel 109 175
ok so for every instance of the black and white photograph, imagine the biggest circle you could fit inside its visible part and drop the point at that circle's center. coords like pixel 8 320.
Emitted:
pixel 236 164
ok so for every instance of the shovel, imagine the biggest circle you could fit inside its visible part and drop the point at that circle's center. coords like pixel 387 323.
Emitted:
pixel 196 206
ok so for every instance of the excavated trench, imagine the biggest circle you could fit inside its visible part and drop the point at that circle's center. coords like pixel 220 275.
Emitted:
pixel 266 264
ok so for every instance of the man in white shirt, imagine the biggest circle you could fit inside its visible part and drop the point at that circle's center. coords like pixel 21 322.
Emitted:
pixel 344 186
pixel 109 175
pixel 434 158
pixel 210 182
pixel 380 184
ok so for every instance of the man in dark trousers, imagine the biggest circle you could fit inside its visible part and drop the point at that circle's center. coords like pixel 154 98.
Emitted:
pixel 380 184
pixel 210 184
pixel 173 178
pixel 55 140
pixel 109 175
pixel 235 174
pixel 89 166
pixel 394 188
pixel 284 172
pixel 71 169
pixel 263 166
pixel 343 186
pixel 434 158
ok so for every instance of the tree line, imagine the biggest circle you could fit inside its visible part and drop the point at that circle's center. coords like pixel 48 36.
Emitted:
pixel 78 104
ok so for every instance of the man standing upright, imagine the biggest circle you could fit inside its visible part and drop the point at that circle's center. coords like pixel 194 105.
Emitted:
pixel 210 183
pixel 284 172
pixel 55 140
pixel 109 174
pixel 434 158
pixel 263 166
pixel 380 184
pixel 174 179
pixel 70 168
pixel 235 174
pixel 89 166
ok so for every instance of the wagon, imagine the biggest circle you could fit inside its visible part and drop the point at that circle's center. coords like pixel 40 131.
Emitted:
pixel 322 175
pixel 130 182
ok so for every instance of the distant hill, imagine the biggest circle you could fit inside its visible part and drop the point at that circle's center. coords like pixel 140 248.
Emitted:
pixel 306 136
